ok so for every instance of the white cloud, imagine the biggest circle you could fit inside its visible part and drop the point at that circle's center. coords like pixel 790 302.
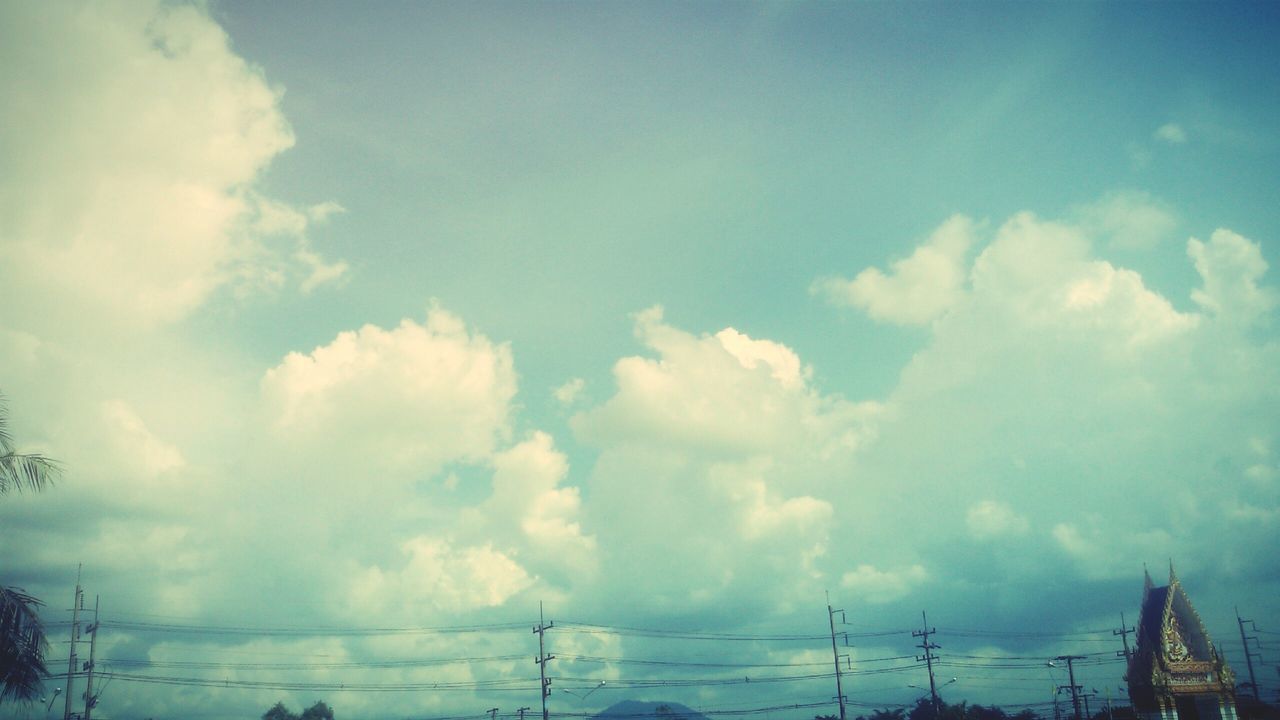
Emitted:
pixel 1230 267
pixel 1171 133
pixel 1067 388
pixel 1041 275
pixel 991 519
pixel 1050 378
pixel 764 516
pixel 1100 553
pixel 136 444
pixel 530 508
pixel 726 393
pixel 410 399
pixel 783 364
pixel 877 587
pixel 715 451
pixel 1130 220
pixel 133 147
pixel 570 391
pixel 919 288
pixel 447 577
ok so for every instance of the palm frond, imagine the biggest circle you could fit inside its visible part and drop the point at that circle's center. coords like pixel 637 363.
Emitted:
pixel 30 471
pixel 22 646
pixel 6 441
pixel 21 471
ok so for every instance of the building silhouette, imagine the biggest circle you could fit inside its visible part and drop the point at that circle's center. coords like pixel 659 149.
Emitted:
pixel 1176 673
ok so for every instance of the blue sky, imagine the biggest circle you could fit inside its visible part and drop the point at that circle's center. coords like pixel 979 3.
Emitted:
pixel 667 315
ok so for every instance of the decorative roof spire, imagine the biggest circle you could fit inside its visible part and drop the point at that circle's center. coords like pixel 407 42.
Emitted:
pixel 1173 577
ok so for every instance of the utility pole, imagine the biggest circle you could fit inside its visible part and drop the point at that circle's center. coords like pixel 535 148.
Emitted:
pixel 493 713
pixel 835 653
pixel 541 630
pixel 75 637
pixel 923 633
pixel 521 712
pixel 1123 632
pixel 89 699
pixel 1075 689
pixel 1248 655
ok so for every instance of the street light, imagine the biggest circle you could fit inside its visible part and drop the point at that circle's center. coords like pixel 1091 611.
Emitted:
pixel 941 686
pixel 932 693
pixel 56 693
pixel 584 695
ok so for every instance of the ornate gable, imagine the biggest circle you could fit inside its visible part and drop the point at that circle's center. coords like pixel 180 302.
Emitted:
pixel 1175 655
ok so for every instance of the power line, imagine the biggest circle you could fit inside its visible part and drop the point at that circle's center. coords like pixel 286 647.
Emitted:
pixel 307 631
pixel 587 628
pixel 196 664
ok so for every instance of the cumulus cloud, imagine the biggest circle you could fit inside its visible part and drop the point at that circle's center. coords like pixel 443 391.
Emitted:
pixel 416 396
pixel 1056 399
pixel 726 392
pixel 917 289
pixel 1043 274
pixel 570 391
pixel 133 149
pixel 1080 397
pixel 783 364
pixel 452 579
pixel 1230 266
pixel 872 585
pixel 530 506
pixel 714 445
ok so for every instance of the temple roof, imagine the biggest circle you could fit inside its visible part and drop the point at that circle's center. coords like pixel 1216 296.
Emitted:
pixel 1174 649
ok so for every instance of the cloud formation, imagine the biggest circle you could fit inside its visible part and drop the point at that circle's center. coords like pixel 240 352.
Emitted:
pixel 416 396
pixel 132 165
pixel 1230 267
pixel 1059 380
pixel 721 439
pixel 1129 220
pixel 242 451
pixel 917 289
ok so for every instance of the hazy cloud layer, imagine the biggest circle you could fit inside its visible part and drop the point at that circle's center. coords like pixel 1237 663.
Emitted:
pixel 243 449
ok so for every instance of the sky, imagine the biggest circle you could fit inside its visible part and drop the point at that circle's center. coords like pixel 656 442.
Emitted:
pixel 363 331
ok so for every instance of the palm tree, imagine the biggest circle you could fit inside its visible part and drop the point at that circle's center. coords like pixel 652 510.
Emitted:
pixel 22 640
pixel 22 646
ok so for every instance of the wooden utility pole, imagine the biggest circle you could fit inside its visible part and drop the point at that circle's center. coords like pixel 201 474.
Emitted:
pixel 1248 655
pixel 835 653
pixel 75 637
pixel 541 630
pixel 928 658
pixel 89 699
pixel 1075 689
pixel 1123 632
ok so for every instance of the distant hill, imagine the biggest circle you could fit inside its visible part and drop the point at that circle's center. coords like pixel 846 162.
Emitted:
pixel 640 710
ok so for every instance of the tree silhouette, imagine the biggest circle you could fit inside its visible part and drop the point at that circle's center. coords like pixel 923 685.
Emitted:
pixel 22 639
